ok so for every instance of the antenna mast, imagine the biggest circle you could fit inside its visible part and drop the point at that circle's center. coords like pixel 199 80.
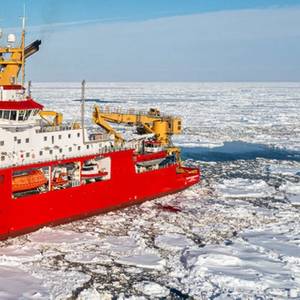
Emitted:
pixel 23 44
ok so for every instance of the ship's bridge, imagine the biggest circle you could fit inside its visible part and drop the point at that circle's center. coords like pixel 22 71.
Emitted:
pixel 15 107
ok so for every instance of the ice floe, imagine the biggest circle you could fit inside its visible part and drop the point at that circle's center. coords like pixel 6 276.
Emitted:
pixel 18 284
pixel 149 261
pixel 240 188
pixel 152 289
pixel 51 236
pixel 172 242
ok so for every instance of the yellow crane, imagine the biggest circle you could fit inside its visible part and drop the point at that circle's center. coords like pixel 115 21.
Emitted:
pixel 12 60
pixel 162 126
pixel 52 118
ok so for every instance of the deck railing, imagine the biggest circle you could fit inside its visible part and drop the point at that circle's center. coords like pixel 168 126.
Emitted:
pixel 54 128
pixel 132 111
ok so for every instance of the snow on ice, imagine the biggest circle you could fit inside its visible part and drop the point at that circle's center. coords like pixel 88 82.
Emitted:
pixel 236 235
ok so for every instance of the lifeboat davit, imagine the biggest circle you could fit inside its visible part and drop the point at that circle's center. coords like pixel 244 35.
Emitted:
pixel 29 181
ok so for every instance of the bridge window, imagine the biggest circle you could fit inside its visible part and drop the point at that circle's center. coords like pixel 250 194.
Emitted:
pixel 27 114
pixel 13 115
pixel 6 114
pixel 21 115
pixel 1 143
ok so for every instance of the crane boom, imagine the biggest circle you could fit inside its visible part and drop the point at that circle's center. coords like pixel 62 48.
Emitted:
pixel 99 120
pixel 56 120
pixel 163 127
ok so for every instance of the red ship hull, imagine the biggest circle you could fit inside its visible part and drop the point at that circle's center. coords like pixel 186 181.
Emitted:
pixel 124 188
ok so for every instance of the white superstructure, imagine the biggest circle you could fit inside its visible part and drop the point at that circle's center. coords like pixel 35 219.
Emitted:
pixel 25 138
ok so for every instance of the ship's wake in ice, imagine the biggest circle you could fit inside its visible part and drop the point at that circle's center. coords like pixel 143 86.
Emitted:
pixel 236 235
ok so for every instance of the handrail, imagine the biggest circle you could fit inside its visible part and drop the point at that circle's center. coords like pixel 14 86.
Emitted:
pixel 54 128
pixel 131 111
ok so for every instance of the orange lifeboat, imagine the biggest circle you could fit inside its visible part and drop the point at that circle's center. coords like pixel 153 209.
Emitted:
pixel 30 181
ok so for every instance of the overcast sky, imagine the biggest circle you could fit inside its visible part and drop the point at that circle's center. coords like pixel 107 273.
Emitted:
pixel 162 41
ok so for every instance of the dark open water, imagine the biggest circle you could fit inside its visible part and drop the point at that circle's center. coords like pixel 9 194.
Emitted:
pixel 239 150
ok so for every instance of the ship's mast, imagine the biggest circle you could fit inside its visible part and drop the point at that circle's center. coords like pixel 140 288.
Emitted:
pixel 23 44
